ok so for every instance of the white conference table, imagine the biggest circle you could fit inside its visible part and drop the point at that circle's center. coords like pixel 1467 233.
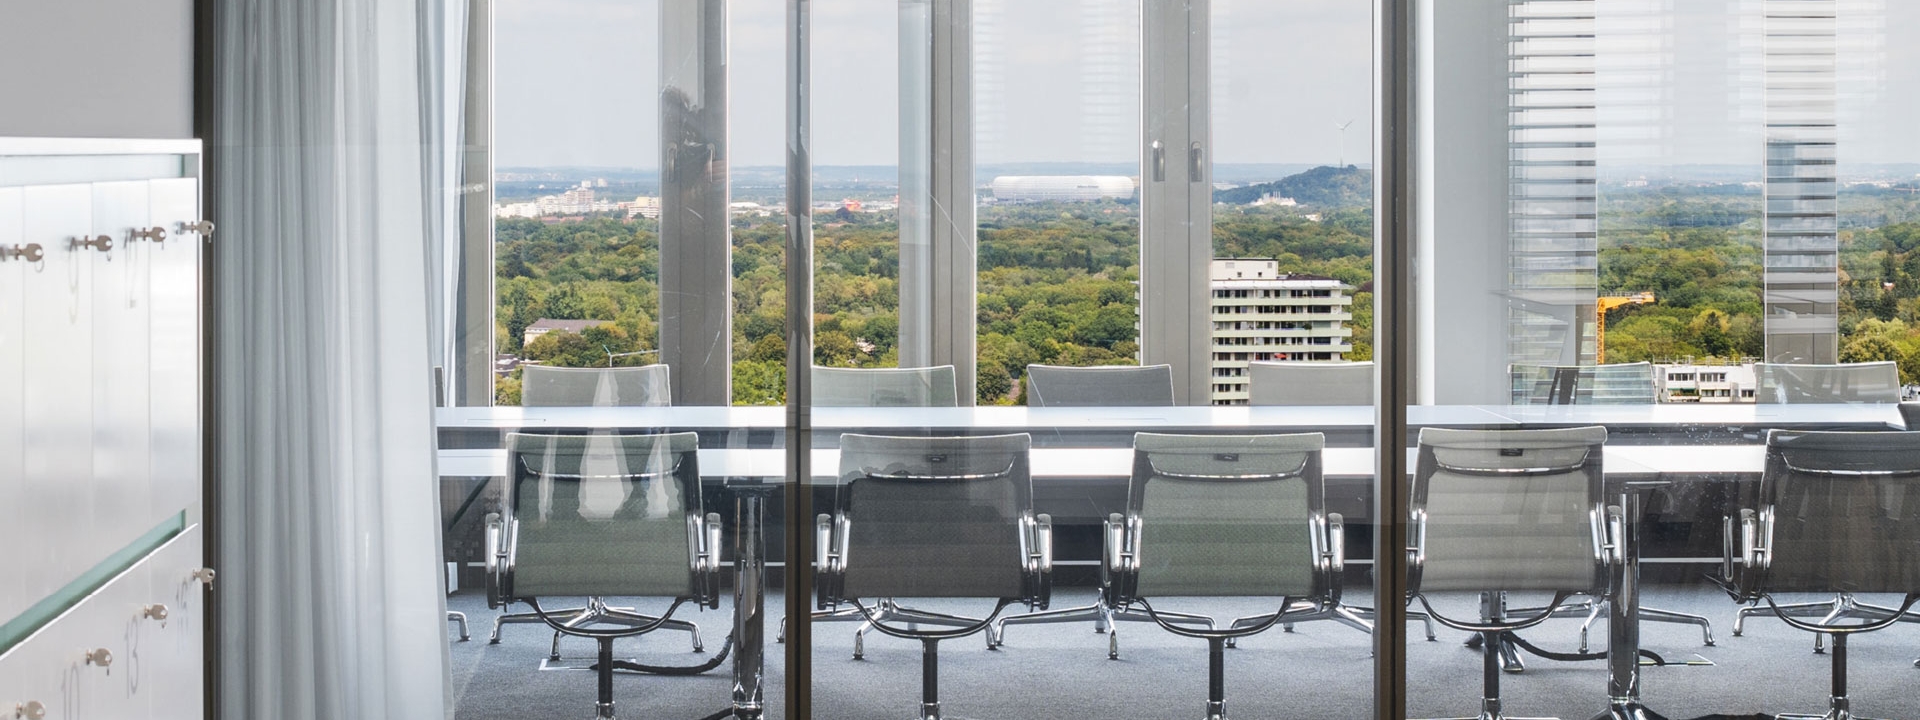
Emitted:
pixel 1671 439
pixel 1679 417
pixel 769 464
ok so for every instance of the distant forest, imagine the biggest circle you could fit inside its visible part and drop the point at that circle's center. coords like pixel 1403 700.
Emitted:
pixel 1057 280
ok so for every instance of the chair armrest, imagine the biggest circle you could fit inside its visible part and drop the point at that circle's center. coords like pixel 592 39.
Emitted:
pixel 496 558
pixel 710 541
pixel 1336 543
pixel 1114 542
pixel 823 543
pixel 831 534
pixel 1036 548
pixel 710 558
pixel 1730 549
pixel 1756 538
pixel 1417 538
pixel 1612 547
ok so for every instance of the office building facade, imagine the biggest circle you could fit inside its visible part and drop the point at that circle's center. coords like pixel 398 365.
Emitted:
pixel 1262 314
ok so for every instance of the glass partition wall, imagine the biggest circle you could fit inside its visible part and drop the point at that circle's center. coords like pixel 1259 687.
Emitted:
pixel 1632 221
pixel 1153 358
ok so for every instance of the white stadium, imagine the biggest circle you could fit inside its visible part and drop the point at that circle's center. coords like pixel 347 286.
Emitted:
pixel 1080 188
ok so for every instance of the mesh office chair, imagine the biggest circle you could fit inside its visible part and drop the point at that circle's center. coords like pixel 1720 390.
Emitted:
pixel 1498 511
pixel 1310 383
pixel 1234 515
pixel 876 387
pixel 1839 513
pixel 933 517
pixel 645 386
pixel 541 386
pixel 884 387
pixel 1321 383
pixel 1615 384
pixel 652 541
pixel 1874 382
pixel 1618 384
pixel 1103 386
pixel 1107 386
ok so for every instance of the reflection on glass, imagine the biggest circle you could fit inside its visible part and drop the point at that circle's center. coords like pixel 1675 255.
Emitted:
pixel 1695 169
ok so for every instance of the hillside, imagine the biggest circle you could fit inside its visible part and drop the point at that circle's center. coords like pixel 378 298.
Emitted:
pixel 1324 186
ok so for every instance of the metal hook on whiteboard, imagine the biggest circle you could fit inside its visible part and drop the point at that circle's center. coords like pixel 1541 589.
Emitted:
pixel 102 243
pixel 155 234
pixel 30 252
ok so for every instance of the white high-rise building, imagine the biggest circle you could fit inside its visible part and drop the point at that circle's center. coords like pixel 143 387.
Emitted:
pixel 1260 313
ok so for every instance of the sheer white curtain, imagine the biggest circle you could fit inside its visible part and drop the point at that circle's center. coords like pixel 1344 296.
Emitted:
pixel 321 140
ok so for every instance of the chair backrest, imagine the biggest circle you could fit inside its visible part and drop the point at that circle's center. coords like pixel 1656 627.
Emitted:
pixel 1618 384
pixel 1846 509
pixel 1104 386
pixel 1310 383
pixel 935 517
pixel 1510 510
pixel 1228 515
pixel 640 544
pixel 542 386
pixel 1874 382
pixel 884 387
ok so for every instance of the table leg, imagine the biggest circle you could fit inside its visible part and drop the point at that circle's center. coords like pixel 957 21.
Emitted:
pixel 1623 623
pixel 749 597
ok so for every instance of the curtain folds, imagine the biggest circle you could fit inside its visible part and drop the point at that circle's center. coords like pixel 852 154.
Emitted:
pixel 326 161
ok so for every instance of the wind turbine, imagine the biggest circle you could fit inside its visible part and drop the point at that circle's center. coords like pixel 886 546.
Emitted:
pixel 1343 141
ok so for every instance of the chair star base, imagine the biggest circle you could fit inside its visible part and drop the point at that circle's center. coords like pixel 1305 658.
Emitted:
pixel 1104 621
pixel 1843 606
pixel 459 618
pixel 596 611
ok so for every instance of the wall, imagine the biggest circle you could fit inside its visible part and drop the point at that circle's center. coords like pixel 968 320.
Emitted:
pixel 96 68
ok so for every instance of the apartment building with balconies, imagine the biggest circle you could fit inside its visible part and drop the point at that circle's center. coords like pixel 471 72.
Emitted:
pixel 1259 313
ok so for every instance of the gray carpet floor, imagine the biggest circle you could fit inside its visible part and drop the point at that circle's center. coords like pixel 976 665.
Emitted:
pixel 1323 670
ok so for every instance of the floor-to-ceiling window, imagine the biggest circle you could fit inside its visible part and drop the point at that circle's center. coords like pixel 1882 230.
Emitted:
pixel 1630 215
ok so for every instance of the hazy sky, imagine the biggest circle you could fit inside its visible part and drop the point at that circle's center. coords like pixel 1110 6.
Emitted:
pixel 1058 81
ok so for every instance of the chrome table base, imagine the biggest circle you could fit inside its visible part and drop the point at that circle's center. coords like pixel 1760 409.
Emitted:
pixel 1627 709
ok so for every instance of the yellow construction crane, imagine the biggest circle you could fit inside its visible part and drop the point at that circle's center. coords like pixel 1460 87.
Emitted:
pixel 1605 303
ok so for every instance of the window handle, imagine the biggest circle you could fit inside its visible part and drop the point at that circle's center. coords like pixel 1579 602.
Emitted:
pixel 1196 159
pixel 1159 161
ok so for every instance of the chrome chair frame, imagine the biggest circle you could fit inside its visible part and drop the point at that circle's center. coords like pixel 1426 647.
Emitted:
pixel 1334 387
pixel 1605 526
pixel 1101 611
pixel 1034 536
pixel 1749 551
pixel 1121 541
pixel 653 384
pixel 704 568
pixel 939 382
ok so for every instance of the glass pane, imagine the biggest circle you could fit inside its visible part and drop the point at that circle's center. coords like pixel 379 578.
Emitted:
pixel 1647 229
pixel 1291 297
pixel 576 188
pixel 616 162
pixel 1057 133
